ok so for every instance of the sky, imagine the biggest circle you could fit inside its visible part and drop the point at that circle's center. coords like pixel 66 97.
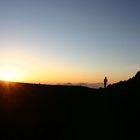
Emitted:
pixel 58 41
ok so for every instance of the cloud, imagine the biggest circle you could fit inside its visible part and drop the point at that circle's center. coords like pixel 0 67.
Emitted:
pixel 89 85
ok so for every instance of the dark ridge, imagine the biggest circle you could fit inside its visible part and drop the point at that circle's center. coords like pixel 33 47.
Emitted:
pixel 54 112
pixel 122 108
pixel 129 85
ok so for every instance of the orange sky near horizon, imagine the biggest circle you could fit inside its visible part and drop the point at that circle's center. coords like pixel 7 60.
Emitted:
pixel 31 68
pixel 27 66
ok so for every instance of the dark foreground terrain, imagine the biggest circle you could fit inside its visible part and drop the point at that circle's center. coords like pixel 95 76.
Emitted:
pixel 29 111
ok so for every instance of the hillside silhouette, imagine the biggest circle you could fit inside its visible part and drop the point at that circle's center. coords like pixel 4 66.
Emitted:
pixel 51 112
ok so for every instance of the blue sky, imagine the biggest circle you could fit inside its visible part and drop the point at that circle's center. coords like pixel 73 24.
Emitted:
pixel 68 38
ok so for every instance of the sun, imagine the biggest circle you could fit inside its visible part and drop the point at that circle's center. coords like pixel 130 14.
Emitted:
pixel 12 74
pixel 8 76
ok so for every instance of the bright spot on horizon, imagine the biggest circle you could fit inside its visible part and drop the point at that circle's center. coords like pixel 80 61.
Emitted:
pixel 8 76
pixel 12 74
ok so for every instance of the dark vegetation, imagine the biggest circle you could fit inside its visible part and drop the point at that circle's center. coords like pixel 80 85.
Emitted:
pixel 30 111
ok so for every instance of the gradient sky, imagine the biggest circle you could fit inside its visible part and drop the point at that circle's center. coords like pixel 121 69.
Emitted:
pixel 70 40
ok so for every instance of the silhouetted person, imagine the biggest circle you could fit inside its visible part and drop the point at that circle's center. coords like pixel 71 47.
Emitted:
pixel 105 82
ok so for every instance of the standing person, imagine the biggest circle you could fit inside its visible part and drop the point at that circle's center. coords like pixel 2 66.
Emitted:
pixel 105 82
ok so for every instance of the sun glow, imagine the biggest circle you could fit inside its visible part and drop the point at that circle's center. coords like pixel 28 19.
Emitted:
pixel 12 74
pixel 8 76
